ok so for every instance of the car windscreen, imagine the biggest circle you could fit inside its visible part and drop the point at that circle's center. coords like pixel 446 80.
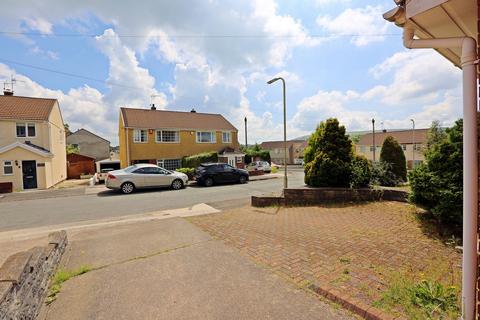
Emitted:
pixel 130 169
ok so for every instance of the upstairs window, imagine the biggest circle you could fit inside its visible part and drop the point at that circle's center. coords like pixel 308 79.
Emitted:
pixel 168 136
pixel 206 137
pixel 226 137
pixel 25 130
pixel 140 136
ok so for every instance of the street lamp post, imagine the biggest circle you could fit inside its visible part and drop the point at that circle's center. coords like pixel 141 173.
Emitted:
pixel 373 137
pixel 413 143
pixel 246 141
pixel 285 180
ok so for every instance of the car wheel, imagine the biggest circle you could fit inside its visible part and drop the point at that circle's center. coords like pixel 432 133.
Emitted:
pixel 242 179
pixel 208 182
pixel 127 188
pixel 177 184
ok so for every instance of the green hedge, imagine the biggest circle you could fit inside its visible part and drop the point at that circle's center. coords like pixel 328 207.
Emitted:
pixel 188 171
pixel 195 160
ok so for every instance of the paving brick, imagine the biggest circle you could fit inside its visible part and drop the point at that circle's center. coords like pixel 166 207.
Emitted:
pixel 346 247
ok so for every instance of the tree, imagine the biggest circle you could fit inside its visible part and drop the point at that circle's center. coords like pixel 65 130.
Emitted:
pixel 72 149
pixel 392 154
pixel 328 156
pixel 361 172
pixel 437 184
pixel 435 135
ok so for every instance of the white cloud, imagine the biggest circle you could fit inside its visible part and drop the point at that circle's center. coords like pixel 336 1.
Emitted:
pixel 39 24
pixel 418 75
pixel 366 22
pixel 424 87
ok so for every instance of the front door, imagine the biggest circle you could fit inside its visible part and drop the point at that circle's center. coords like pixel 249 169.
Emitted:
pixel 29 170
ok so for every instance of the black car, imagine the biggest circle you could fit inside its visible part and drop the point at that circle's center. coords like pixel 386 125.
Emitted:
pixel 208 174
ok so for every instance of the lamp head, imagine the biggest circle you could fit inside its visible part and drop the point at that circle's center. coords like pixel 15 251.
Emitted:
pixel 273 80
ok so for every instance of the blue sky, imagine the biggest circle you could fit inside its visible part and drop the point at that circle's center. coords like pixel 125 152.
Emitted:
pixel 339 57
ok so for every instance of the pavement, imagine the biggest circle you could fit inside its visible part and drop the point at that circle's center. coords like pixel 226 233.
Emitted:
pixel 170 269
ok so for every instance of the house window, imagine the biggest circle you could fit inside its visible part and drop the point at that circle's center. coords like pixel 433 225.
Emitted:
pixel 7 168
pixel 26 130
pixel 140 136
pixel 226 137
pixel 404 147
pixel 168 136
pixel 372 148
pixel 206 137
pixel 170 164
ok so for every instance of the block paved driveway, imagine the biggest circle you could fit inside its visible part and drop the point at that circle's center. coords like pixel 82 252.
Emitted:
pixel 349 248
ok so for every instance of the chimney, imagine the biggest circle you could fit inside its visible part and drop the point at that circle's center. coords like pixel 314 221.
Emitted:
pixel 153 107
pixel 193 110
pixel 384 130
pixel 7 92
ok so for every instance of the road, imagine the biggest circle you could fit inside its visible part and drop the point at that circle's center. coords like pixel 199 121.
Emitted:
pixel 108 204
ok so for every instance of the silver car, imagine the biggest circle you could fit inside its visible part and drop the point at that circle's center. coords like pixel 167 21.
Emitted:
pixel 140 176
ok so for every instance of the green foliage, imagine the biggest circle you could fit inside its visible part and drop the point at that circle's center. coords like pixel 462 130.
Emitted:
pixel 255 151
pixel 383 175
pixel 425 299
pixel 361 172
pixel 324 171
pixel 71 149
pixel 392 153
pixel 328 156
pixel 435 135
pixel 60 277
pixel 438 183
pixel 434 298
pixel 195 160
pixel 188 171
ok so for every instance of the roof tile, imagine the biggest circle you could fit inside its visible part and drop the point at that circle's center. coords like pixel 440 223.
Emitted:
pixel 162 119
pixel 25 108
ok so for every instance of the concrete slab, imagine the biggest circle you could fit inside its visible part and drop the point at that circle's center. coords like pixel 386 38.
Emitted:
pixel 169 269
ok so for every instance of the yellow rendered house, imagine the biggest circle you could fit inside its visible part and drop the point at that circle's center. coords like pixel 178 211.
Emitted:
pixel 32 143
pixel 164 137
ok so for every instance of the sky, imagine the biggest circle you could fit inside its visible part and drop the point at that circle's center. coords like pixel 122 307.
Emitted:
pixel 339 59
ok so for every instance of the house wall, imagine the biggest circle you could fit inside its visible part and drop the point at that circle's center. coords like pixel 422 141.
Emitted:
pixel 8 133
pixel 90 145
pixel 44 179
pixel 151 150
pixel 58 146
pixel 364 150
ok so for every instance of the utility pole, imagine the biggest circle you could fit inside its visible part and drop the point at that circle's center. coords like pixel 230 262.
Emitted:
pixel 373 137
pixel 413 143
pixel 246 141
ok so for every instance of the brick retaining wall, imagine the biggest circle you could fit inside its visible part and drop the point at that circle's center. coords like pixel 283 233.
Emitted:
pixel 315 196
pixel 24 278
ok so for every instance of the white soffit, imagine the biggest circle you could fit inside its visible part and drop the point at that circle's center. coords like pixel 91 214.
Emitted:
pixel 453 18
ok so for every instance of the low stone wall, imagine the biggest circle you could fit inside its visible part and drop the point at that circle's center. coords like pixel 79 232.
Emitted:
pixel 315 196
pixel 24 278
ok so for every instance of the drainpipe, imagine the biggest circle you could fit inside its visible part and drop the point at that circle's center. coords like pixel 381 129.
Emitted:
pixel 470 157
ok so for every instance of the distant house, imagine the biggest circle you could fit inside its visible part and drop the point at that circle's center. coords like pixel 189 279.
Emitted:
pixel 295 150
pixel 89 144
pixel 165 137
pixel 408 139
pixel 32 143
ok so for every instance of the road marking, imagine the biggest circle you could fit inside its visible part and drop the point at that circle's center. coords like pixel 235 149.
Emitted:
pixel 25 234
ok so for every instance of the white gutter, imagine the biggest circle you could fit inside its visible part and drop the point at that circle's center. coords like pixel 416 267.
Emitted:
pixel 470 157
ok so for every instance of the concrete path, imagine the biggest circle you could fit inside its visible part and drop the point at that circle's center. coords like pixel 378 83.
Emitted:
pixel 170 269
